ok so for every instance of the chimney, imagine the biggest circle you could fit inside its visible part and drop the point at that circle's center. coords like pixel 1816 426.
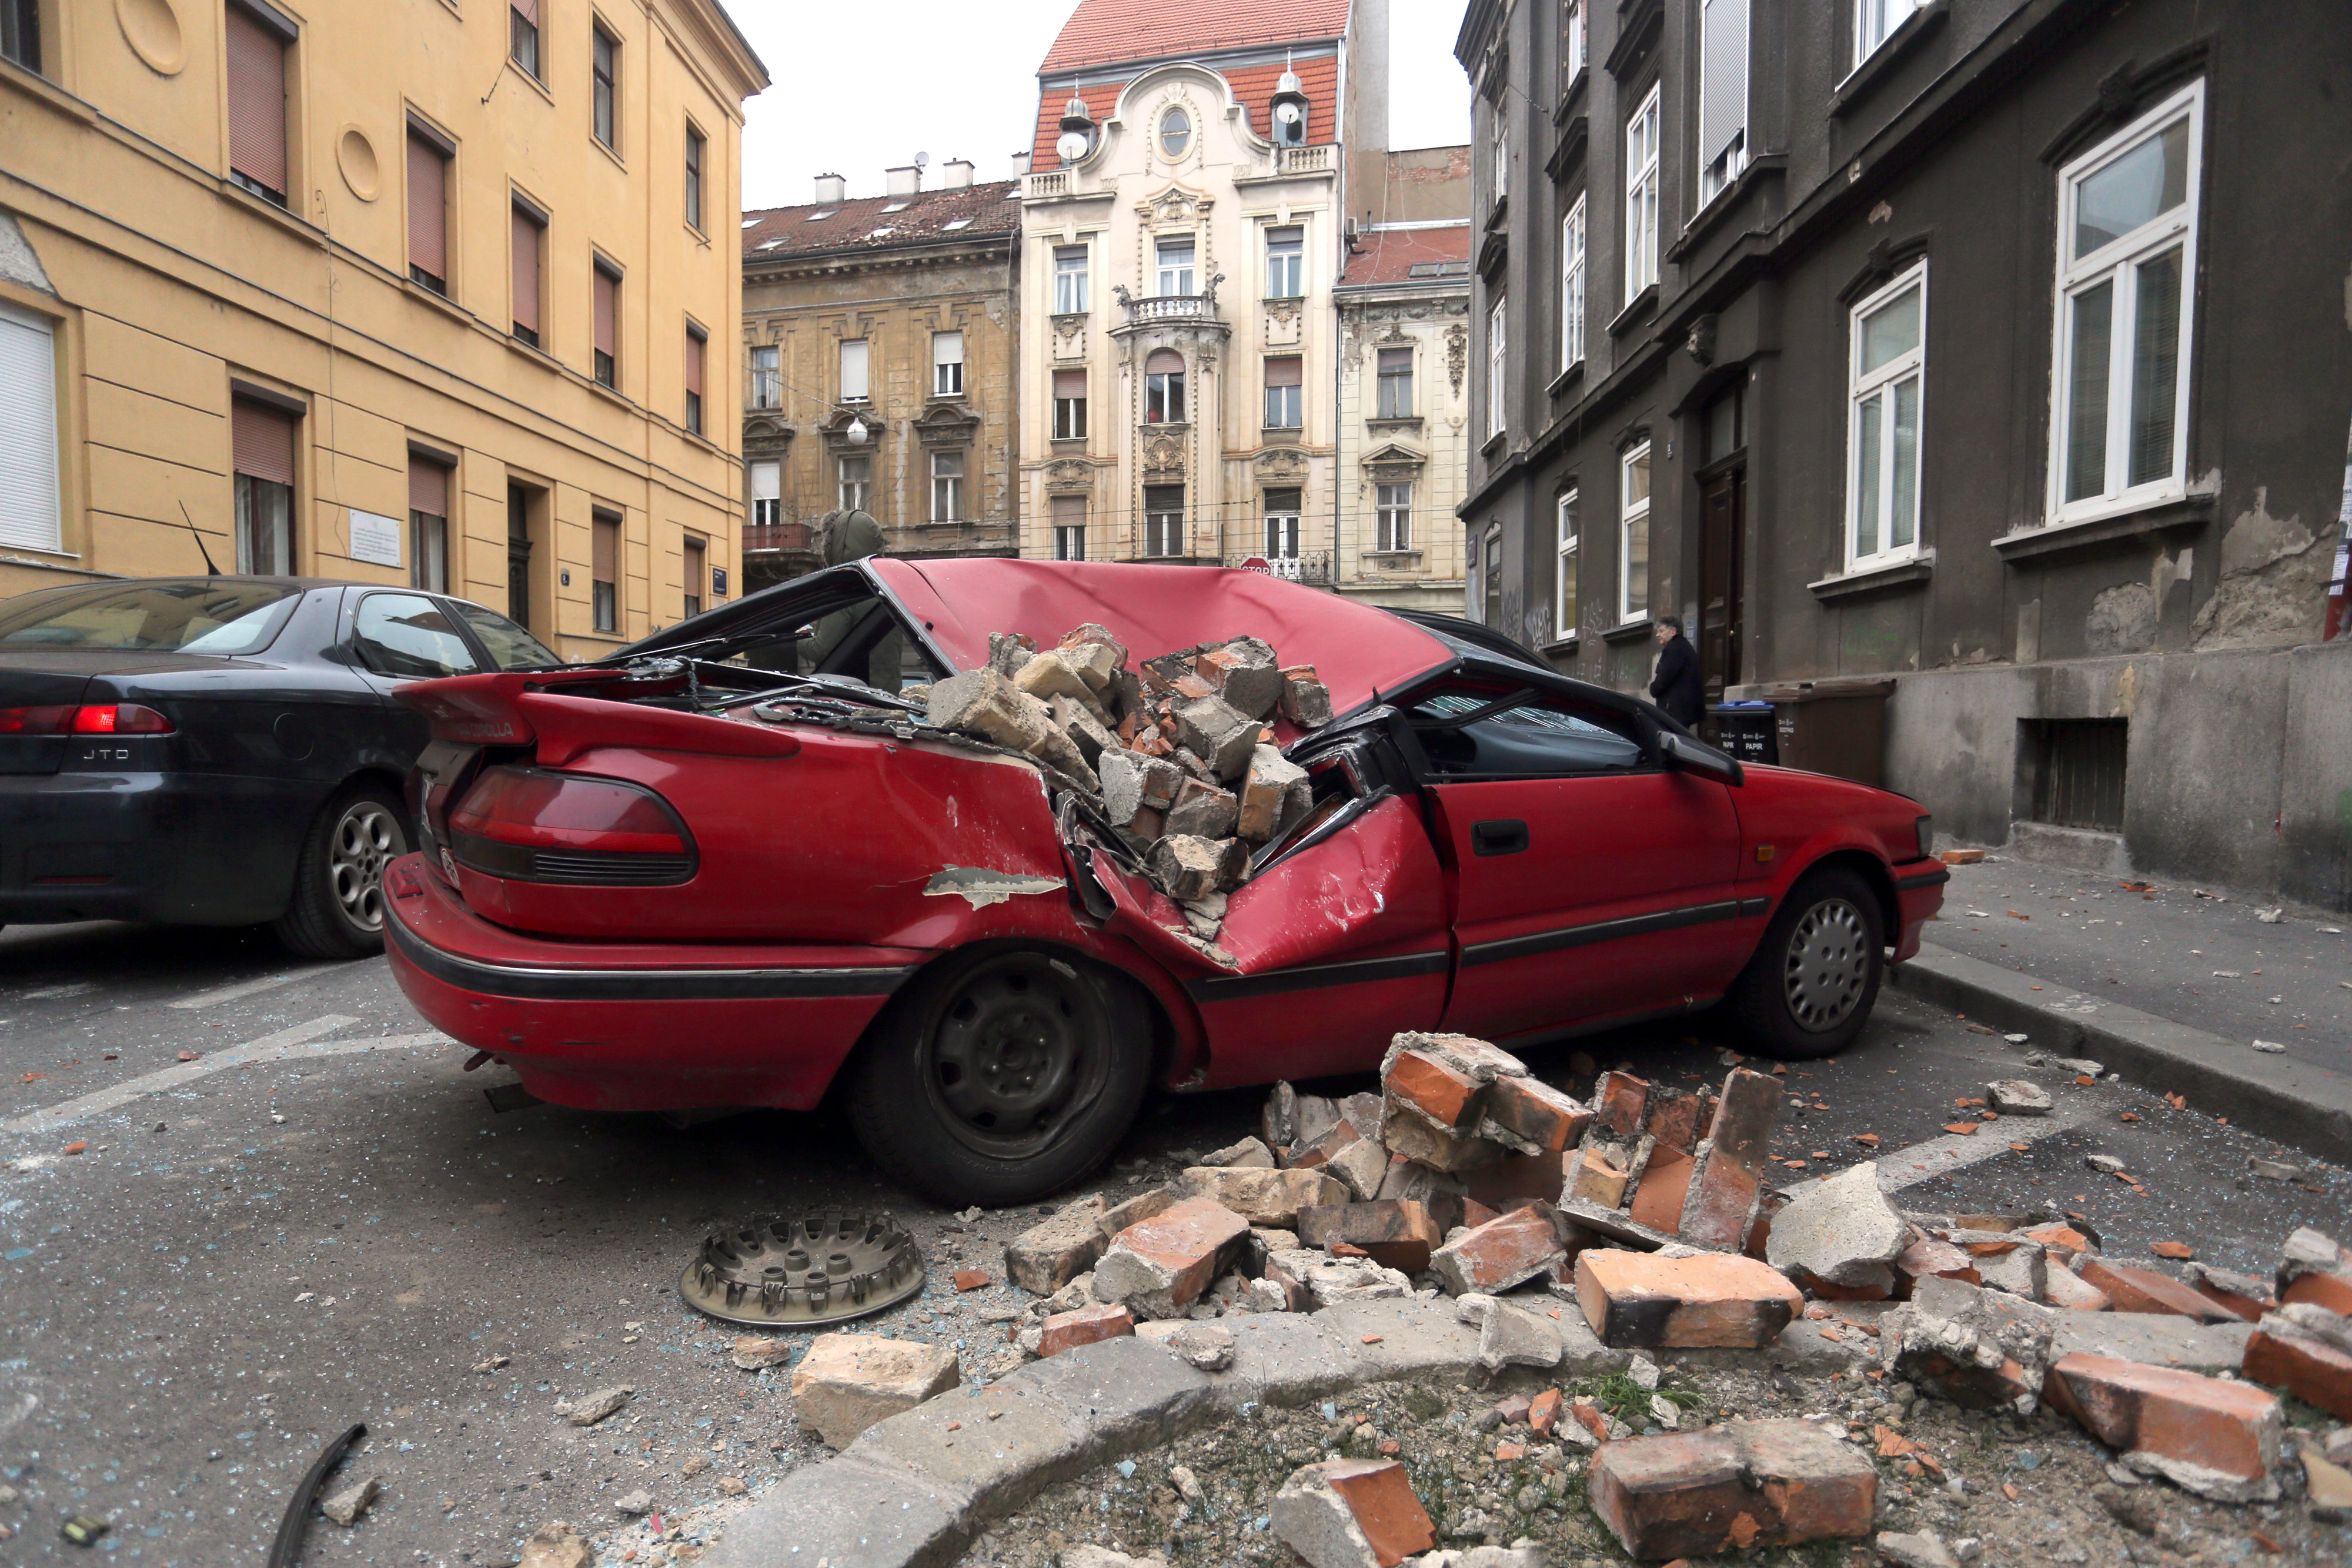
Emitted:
pixel 831 190
pixel 956 173
pixel 1020 164
pixel 904 180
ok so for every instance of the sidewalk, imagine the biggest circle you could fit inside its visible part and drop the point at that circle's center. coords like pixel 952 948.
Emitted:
pixel 2167 988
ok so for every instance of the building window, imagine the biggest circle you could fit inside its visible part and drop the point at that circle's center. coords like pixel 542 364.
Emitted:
pixel 1175 133
pixel 947 486
pixel 1495 366
pixel 1175 264
pixel 1069 280
pixel 20 33
pixel 1633 533
pixel 29 515
pixel 856 480
pixel 691 573
pixel 767 384
pixel 1393 508
pixel 428 525
pixel 947 364
pixel 1487 582
pixel 428 211
pixel 1573 57
pixel 2128 243
pixel 607 287
pixel 261 442
pixel 1498 152
pixel 1283 407
pixel 522 34
pixel 1286 263
pixel 1395 397
pixel 1876 20
pixel 1282 525
pixel 1164 388
pixel 1571 286
pixel 1070 527
pixel 697 346
pixel 530 244
pixel 695 148
pixel 1722 96
pixel 256 48
pixel 605 571
pixel 853 370
pixel 767 494
pixel 1567 542
pixel 605 79
pixel 1163 519
pixel 1069 405
pixel 1886 368
pixel 1642 197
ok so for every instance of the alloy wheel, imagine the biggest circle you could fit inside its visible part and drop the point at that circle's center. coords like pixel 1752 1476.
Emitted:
pixel 1827 965
pixel 366 839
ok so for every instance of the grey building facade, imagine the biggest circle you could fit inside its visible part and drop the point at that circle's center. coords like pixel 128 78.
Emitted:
pixel 2001 349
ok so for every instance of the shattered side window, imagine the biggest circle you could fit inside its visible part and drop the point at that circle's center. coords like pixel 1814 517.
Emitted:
pixel 836 630
pixel 1488 734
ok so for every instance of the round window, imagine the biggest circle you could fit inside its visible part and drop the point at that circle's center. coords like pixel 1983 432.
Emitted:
pixel 1175 133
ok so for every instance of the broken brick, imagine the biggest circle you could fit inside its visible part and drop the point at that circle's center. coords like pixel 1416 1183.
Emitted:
pixel 1310 1153
pixel 846 1382
pixel 2217 1438
pixel 2131 1289
pixel 1602 1173
pixel 1264 1197
pixel 1202 811
pixel 1265 793
pixel 2243 1294
pixel 1187 866
pixel 1050 1254
pixel 1531 1117
pixel 1504 1251
pixel 1741 1485
pixel 1665 1184
pixel 1543 1412
pixel 1678 1121
pixel 1641 1300
pixel 1618 1101
pixel 1726 1188
pixel 1428 1087
pixel 1514 1178
pixel 1306 701
pixel 1408 1135
pixel 1068 1331
pixel 2286 1356
pixel 1162 1264
pixel 2064 1241
pixel 2064 1288
pixel 1930 1257
pixel 1395 1235
pixel 1134 1211
pixel 2312 1268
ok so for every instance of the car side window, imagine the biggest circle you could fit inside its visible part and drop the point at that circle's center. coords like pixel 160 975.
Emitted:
pixel 1498 733
pixel 410 638
pixel 511 647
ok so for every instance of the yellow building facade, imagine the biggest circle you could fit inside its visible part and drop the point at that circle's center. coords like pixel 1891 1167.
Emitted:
pixel 276 280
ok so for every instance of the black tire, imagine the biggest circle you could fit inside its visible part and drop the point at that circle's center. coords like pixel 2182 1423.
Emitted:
pixel 1002 1076
pixel 1810 985
pixel 337 908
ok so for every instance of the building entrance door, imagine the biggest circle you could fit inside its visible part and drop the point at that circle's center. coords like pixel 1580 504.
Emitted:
pixel 1721 505
pixel 518 555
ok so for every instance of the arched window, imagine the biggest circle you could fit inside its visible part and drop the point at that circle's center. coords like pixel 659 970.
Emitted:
pixel 1175 133
pixel 1164 388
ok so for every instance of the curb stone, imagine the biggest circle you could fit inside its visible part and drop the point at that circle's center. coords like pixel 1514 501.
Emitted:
pixel 910 1494
pixel 2277 1097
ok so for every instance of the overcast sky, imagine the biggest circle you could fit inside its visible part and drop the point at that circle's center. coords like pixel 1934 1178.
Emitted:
pixel 947 85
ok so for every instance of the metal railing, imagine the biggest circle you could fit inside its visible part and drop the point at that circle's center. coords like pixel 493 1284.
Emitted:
pixel 1312 569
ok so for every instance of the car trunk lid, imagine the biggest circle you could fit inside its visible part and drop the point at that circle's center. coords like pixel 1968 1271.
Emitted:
pixel 36 707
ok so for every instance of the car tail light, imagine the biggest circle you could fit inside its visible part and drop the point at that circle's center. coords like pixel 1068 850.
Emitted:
pixel 110 719
pixel 528 824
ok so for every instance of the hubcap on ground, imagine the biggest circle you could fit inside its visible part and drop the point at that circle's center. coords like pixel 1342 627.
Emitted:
pixel 366 839
pixel 1013 1057
pixel 1829 963
pixel 822 1269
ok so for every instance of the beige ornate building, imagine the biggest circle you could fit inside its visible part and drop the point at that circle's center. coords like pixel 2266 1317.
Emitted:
pixel 400 292
pixel 880 347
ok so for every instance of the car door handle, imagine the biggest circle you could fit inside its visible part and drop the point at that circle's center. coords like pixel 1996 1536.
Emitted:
pixel 1508 837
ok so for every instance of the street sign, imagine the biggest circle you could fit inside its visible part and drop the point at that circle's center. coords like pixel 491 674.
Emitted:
pixel 1258 563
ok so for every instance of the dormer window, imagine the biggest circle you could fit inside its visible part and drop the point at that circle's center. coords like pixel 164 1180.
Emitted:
pixel 1289 112
pixel 896 207
pixel 1175 134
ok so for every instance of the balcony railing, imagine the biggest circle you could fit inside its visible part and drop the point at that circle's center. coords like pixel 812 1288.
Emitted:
pixel 1320 159
pixel 1170 308
pixel 1313 569
pixel 778 536
pixel 1047 185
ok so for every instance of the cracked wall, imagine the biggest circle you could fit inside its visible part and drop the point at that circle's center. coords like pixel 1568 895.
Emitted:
pixel 2272 589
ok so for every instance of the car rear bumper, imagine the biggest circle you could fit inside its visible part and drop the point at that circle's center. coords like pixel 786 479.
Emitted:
pixel 637 1026
pixel 191 848
pixel 1918 894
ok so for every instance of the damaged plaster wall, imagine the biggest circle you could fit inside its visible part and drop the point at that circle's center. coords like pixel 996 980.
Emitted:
pixel 2273 585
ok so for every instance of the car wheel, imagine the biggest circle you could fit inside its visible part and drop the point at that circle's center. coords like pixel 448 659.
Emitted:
pixel 337 910
pixel 1002 1077
pixel 1810 985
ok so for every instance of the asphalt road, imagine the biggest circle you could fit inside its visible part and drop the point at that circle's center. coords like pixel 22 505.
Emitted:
pixel 333 1226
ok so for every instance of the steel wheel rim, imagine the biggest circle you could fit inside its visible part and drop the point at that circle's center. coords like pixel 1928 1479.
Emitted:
pixel 1828 965
pixel 366 839
pixel 1015 1057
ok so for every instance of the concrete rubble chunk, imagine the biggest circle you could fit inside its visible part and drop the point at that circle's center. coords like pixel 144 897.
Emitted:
pixel 1091 1556
pixel 1202 810
pixel 1744 1484
pixel 1925 1257
pixel 2132 1289
pixel 1055 1252
pixel 1244 674
pixel 2017 1097
pixel 1528 1115
pixel 1160 1266
pixel 2022 1271
pixel 1249 1153
pixel 1085 1325
pixel 983 703
pixel 2284 1355
pixel 1728 1185
pixel 1923 1550
pixel 556 1545
pixel 1269 1197
pixel 1220 736
pixel 1644 1300
pixel 2243 1294
pixel 1521 1554
pixel 1008 651
pixel 346 1506
pixel 1305 701
pixel 1363 1166
pixel 1329 1281
pixel 1054 674
pixel 1841 1229
pixel 2317 1322
pixel 753 1352
pixel 1351 1513
pixel 1209 1346
pixel 1088 733
pixel 1513 1336
pixel 1399 1235
pixel 1975 1348
pixel 2326 1485
pixel 848 1382
pixel 1186 866
pixel 1474 1059
pixel 1507 1250
pixel 636 1504
pixel 1134 787
pixel 2313 1268
pixel 1267 792
pixel 1134 1211
pixel 1278 1122
pixel 1407 1134
pixel 591 1408
pixel 2062 1287
pixel 1318 1152
pixel 2152 1339
pixel 2218 1439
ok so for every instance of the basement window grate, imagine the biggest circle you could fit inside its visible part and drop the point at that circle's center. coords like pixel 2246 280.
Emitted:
pixel 2079 782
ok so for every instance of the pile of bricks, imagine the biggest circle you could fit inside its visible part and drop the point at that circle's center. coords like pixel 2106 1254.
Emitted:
pixel 1178 752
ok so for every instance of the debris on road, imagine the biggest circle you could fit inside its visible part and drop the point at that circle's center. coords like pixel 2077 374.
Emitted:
pixel 848 1382
pixel 591 1408
pixel 556 1545
pixel 820 1268
pixel 346 1506
pixel 1352 1513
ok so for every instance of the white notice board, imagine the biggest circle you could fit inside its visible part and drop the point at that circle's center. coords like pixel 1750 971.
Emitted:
pixel 375 539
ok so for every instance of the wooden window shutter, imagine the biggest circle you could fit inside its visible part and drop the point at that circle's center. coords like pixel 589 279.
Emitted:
pixel 256 99
pixel 261 441
pixel 527 235
pixel 605 550
pixel 694 361
pixel 608 310
pixel 428 207
pixel 429 487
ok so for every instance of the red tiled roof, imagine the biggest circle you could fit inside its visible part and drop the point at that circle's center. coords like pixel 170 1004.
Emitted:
pixel 1103 32
pixel 1389 256
pixel 1253 86
pixel 854 225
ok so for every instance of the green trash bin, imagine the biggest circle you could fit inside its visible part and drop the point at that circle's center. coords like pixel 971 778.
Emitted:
pixel 1838 727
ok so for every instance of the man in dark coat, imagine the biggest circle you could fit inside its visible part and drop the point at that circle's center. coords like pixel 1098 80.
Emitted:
pixel 1675 687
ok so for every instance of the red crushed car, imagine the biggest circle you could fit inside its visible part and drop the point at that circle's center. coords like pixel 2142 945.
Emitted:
pixel 733 867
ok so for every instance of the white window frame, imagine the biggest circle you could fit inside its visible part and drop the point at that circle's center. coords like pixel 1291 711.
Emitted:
pixel 31 515
pixel 1860 387
pixel 1719 176
pixel 853 493
pixel 767 473
pixel 1640 228
pixel 1181 274
pixel 1498 365
pixel 1070 417
pixel 767 380
pixel 946 375
pixel 1286 269
pixel 947 485
pixel 1071 276
pixel 1573 41
pixel 1571 286
pixel 1164 531
pixel 1393 518
pixel 1568 544
pixel 1498 148
pixel 1282 533
pixel 859 354
pixel 2118 264
pixel 1875 21
pixel 1630 512
pixel 1383 382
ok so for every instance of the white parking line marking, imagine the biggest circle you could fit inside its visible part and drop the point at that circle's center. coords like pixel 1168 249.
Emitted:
pixel 285 1044
pixel 1899 1168
pixel 243 988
